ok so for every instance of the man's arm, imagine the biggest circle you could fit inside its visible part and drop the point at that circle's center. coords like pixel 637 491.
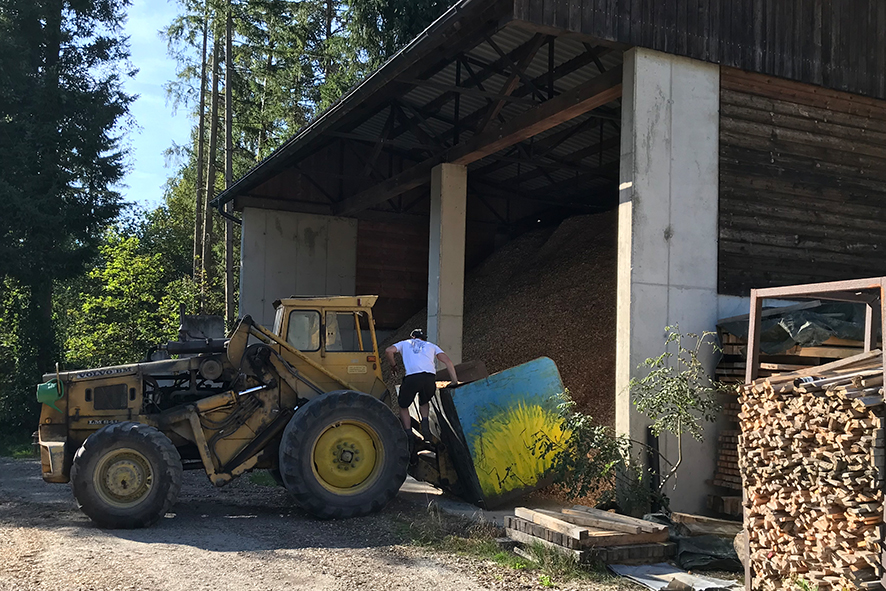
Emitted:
pixel 389 353
pixel 443 357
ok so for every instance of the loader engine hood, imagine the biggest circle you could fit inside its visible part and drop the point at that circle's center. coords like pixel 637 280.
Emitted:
pixel 92 374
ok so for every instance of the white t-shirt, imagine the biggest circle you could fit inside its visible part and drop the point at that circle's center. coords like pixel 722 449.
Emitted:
pixel 418 355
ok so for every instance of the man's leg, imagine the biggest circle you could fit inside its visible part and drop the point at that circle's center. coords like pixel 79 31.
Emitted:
pixel 428 389
pixel 425 426
pixel 407 420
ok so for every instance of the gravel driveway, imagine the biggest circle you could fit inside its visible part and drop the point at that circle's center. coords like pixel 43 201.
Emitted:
pixel 243 536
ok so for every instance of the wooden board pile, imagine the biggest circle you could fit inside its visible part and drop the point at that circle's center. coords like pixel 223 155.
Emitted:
pixel 591 535
pixel 811 455
pixel 727 474
pixel 833 348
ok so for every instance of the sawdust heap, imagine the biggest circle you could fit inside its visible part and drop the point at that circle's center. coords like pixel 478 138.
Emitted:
pixel 550 292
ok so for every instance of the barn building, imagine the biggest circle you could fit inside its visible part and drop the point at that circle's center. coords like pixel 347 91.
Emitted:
pixel 742 144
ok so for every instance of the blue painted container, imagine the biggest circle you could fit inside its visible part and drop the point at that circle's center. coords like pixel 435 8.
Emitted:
pixel 498 428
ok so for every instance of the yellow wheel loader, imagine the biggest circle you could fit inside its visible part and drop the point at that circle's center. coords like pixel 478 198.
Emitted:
pixel 305 400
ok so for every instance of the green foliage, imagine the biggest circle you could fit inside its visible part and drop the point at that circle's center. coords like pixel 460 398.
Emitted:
pixel 592 455
pixel 128 304
pixel 63 115
pixel 677 393
pixel 802 584
pixel 555 565
pixel 384 26
pixel 263 478
pixel 17 445
pixel 114 323
pixel 18 360
pixel 61 107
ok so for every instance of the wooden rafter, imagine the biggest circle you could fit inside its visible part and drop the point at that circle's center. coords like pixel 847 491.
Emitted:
pixel 421 120
pixel 377 148
pixel 498 96
pixel 547 115
pixel 511 83
pixel 515 68
pixel 485 72
pixel 316 185
pixel 564 69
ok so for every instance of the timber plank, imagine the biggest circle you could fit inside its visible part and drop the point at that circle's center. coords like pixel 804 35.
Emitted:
pixel 554 523
pixel 646 526
pixel 524 538
pixel 610 539
pixel 585 519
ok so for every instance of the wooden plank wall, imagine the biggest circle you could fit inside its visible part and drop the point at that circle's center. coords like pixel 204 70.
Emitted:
pixel 392 262
pixel 839 44
pixel 802 184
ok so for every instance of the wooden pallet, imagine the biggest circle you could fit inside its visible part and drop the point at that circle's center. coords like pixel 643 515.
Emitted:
pixel 589 534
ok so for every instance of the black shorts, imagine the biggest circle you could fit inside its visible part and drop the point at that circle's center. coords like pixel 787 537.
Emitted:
pixel 423 384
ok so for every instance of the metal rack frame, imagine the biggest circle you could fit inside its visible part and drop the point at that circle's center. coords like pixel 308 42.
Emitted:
pixel 870 292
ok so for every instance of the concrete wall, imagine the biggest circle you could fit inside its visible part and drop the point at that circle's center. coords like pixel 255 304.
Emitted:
pixel 446 258
pixel 667 232
pixel 285 254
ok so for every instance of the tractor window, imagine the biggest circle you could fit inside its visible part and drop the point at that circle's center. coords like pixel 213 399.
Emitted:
pixel 342 333
pixel 304 330
pixel 278 320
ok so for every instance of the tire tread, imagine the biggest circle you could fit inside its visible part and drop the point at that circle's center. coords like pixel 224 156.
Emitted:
pixel 295 442
pixel 170 471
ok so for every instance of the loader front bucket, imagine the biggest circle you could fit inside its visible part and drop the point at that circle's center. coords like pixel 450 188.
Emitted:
pixel 503 432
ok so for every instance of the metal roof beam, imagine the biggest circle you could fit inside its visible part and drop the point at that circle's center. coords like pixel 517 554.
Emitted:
pixel 549 114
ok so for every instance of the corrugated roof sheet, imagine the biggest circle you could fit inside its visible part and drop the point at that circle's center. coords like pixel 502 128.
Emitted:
pixel 569 166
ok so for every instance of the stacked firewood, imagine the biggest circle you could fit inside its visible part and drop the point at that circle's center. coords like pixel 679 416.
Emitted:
pixel 811 456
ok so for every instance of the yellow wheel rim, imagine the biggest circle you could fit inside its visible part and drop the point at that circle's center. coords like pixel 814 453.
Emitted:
pixel 123 478
pixel 347 457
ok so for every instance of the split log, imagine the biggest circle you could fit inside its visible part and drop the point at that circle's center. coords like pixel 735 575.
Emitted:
pixel 811 457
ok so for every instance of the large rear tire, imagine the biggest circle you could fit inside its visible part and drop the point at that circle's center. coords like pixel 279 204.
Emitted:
pixel 343 454
pixel 126 475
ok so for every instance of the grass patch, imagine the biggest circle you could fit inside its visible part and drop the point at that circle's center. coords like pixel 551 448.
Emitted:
pixel 262 478
pixel 17 446
pixel 450 533
pixel 561 567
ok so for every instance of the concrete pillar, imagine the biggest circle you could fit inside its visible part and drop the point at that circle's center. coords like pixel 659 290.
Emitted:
pixel 284 254
pixel 446 260
pixel 667 233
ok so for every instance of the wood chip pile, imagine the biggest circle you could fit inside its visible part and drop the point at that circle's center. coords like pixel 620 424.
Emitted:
pixel 811 455
pixel 589 534
pixel 547 293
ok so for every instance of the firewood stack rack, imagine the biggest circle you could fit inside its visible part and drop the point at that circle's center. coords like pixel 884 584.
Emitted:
pixel 812 456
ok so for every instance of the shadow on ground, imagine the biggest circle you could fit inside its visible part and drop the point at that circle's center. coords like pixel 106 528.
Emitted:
pixel 241 517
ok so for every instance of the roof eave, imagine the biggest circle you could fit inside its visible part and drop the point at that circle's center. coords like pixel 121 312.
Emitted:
pixel 396 64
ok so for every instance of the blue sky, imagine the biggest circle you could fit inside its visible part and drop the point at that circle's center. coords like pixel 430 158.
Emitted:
pixel 158 128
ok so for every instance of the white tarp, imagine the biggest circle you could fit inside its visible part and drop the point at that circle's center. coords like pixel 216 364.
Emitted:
pixel 663 576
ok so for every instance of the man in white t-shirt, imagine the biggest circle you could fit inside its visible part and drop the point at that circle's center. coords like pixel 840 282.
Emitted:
pixel 419 357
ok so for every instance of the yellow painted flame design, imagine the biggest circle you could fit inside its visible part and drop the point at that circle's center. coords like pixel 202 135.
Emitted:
pixel 508 447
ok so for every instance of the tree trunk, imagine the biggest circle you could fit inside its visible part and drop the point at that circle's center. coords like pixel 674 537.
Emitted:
pixel 201 140
pixel 206 261
pixel 40 331
pixel 330 15
pixel 229 169
pixel 263 129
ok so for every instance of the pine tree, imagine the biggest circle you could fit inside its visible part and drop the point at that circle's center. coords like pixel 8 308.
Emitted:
pixel 62 65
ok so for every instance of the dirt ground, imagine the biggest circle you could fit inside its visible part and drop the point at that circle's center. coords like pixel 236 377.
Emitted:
pixel 244 536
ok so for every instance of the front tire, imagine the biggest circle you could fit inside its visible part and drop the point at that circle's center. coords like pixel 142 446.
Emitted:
pixel 343 454
pixel 126 475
